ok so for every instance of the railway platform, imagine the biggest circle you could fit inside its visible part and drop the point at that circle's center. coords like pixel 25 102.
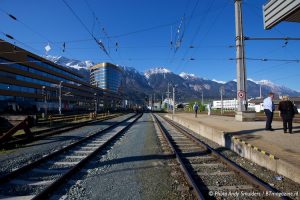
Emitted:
pixel 274 150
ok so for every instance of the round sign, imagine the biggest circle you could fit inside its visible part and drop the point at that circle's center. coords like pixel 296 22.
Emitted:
pixel 241 94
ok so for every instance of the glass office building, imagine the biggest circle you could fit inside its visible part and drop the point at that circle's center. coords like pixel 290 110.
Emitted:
pixel 106 76
pixel 30 83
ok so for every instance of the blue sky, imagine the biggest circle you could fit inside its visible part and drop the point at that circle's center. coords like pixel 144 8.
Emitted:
pixel 143 30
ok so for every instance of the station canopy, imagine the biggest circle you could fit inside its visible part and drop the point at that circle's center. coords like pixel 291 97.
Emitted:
pixel 276 11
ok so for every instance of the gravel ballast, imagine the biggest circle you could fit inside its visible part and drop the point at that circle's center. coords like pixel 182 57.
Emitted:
pixel 16 158
pixel 275 180
pixel 134 168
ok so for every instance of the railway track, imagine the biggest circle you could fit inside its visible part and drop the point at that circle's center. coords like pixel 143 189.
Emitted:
pixel 39 179
pixel 211 175
pixel 38 135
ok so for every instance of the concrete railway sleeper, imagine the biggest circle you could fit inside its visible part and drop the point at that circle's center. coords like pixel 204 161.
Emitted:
pixel 210 174
pixel 41 178
pixel 39 135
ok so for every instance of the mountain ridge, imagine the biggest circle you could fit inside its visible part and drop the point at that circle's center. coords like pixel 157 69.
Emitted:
pixel 140 85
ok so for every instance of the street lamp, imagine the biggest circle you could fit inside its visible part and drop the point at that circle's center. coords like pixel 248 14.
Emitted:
pixel 59 97
pixel 173 101
pixel 45 99
pixel 95 96
pixel 222 90
pixel 168 95
pixel 202 102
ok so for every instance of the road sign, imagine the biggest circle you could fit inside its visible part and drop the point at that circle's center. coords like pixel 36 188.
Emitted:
pixel 241 94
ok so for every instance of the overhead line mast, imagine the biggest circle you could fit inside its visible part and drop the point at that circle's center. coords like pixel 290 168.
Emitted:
pixel 240 58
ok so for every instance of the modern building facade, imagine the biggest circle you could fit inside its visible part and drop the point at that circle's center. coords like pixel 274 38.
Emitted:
pixel 106 76
pixel 30 83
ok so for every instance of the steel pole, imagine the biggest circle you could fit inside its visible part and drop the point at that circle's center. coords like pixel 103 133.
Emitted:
pixel 95 103
pixel 45 100
pixel 168 93
pixel 46 107
pixel 173 99
pixel 59 98
pixel 162 100
pixel 222 101
pixel 260 94
pixel 240 57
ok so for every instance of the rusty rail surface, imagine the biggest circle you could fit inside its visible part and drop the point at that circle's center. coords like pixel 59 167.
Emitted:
pixel 258 183
pixel 49 189
pixel 188 176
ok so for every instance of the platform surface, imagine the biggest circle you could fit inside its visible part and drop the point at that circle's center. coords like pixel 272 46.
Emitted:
pixel 282 145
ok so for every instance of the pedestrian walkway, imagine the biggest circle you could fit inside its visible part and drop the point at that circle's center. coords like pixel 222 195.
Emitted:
pixel 272 149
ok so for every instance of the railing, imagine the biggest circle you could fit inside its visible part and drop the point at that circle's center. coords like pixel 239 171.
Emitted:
pixel 26 124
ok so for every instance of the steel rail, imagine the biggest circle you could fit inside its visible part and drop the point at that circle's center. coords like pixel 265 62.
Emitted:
pixel 58 182
pixel 38 135
pixel 188 176
pixel 252 179
pixel 15 173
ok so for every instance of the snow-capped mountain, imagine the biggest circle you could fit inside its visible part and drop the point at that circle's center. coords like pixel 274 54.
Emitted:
pixel 82 67
pixel 137 85
pixel 188 76
pixel 217 81
pixel 71 63
pixel 279 89
pixel 157 70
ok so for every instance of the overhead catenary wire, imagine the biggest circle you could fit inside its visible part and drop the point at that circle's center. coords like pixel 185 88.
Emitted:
pixel 134 47
pixel 18 41
pixel 97 21
pixel 270 68
pixel 99 43
pixel 127 33
pixel 196 33
pixel 14 18
pixel 270 59
pixel 274 38
pixel 286 77
pixel 274 59
pixel 195 50
pixel 191 16
pixel 260 16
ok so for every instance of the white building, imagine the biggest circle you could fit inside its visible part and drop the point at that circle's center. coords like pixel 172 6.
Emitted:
pixel 227 104
pixel 230 105
pixel 259 107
